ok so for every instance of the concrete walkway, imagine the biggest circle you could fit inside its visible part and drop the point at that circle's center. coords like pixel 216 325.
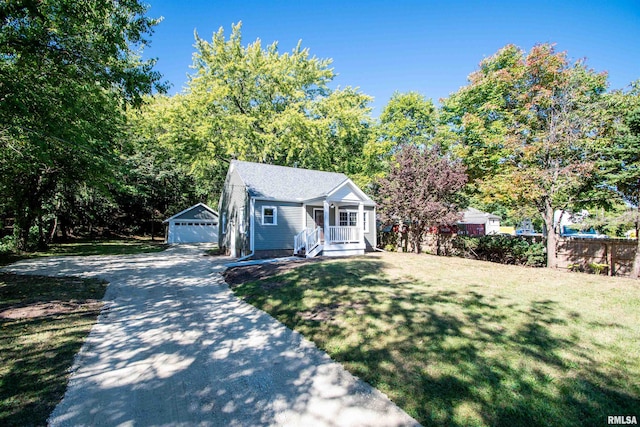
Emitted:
pixel 174 346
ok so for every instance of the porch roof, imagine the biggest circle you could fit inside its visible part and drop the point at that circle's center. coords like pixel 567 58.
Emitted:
pixel 288 184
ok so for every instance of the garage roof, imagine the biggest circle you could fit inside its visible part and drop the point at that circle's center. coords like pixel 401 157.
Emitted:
pixel 195 212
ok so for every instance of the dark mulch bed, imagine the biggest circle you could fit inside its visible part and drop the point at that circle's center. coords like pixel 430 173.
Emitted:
pixel 238 275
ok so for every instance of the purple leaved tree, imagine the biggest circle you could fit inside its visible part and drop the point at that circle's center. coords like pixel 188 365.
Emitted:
pixel 421 190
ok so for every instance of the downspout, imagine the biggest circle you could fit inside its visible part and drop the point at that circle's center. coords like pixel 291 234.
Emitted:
pixel 252 211
pixel 374 222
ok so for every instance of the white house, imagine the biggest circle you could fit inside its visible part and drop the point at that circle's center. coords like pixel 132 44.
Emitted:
pixel 197 224
pixel 472 216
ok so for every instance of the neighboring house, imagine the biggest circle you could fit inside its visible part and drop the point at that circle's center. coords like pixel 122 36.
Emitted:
pixel 573 225
pixel 477 223
pixel 197 224
pixel 268 211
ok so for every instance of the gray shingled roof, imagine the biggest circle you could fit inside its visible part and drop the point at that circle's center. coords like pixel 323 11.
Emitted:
pixel 473 215
pixel 284 183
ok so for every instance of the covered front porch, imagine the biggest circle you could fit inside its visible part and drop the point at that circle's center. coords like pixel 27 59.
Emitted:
pixel 332 229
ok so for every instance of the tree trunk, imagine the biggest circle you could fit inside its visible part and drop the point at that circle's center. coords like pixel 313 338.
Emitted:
pixel 53 230
pixel 23 224
pixel 635 271
pixel 152 226
pixel 417 240
pixel 22 238
pixel 42 244
pixel 552 237
pixel 63 230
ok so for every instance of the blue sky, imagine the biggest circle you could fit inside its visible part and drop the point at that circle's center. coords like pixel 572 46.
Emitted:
pixel 386 46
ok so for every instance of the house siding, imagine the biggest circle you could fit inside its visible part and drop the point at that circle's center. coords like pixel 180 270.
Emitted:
pixel 370 237
pixel 280 236
pixel 310 222
pixel 233 209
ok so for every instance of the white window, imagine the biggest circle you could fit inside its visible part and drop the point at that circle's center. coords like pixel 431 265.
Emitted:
pixel 348 219
pixel 269 215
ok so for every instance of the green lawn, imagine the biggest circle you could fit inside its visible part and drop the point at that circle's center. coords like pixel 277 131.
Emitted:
pixel 92 247
pixel 463 343
pixel 43 323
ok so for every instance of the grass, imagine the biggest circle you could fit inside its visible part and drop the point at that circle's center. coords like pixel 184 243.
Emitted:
pixel 91 247
pixel 459 342
pixel 43 323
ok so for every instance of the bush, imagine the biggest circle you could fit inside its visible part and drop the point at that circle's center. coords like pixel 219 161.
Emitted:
pixel 502 249
pixel 7 244
pixel 34 242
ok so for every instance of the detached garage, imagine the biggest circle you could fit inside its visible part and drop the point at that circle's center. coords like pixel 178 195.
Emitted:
pixel 197 224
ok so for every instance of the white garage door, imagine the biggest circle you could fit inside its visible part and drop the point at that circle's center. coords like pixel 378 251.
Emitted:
pixel 193 232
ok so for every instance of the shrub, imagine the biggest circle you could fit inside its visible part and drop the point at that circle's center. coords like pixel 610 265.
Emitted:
pixel 7 244
pixel 34 241
pixel 502 249
pixel 598 268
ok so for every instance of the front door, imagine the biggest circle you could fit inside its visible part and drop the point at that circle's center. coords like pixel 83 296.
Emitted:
pixel 318 217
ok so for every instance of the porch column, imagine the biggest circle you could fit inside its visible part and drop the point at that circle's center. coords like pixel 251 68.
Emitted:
pixel 361 223
pixel 325 225
pixel 304 216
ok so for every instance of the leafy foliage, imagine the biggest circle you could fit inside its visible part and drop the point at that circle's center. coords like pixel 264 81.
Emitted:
pixel 502 249
pixel 531 126
pixel 407 119
pixel 621 161
pixel 254 103
pixel 67 68
pixel 421 190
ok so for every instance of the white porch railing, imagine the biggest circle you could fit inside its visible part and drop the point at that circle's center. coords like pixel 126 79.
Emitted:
pixel 339 234
pixel 307 239
pixel 300 241
pixel 313 238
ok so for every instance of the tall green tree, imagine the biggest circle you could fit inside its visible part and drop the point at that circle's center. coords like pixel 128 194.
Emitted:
pixel 152 183
pixel 621 160
pixel 68 68
pixel 407 119
pixel 531 126
pixel 257 104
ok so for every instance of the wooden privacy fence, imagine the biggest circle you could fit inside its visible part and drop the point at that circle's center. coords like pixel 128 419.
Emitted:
pixel 613 256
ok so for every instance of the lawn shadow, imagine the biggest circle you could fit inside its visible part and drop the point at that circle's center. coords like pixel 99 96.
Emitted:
pixel 449 357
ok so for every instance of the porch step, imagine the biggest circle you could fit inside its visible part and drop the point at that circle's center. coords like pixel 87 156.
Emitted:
pixel 316 250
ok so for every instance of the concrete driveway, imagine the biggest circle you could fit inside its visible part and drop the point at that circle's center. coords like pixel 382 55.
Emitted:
pixel 174 346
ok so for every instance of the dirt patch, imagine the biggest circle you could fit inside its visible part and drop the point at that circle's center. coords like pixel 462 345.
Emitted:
pixel 238 275
pixel 52 308
pixel 324 313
